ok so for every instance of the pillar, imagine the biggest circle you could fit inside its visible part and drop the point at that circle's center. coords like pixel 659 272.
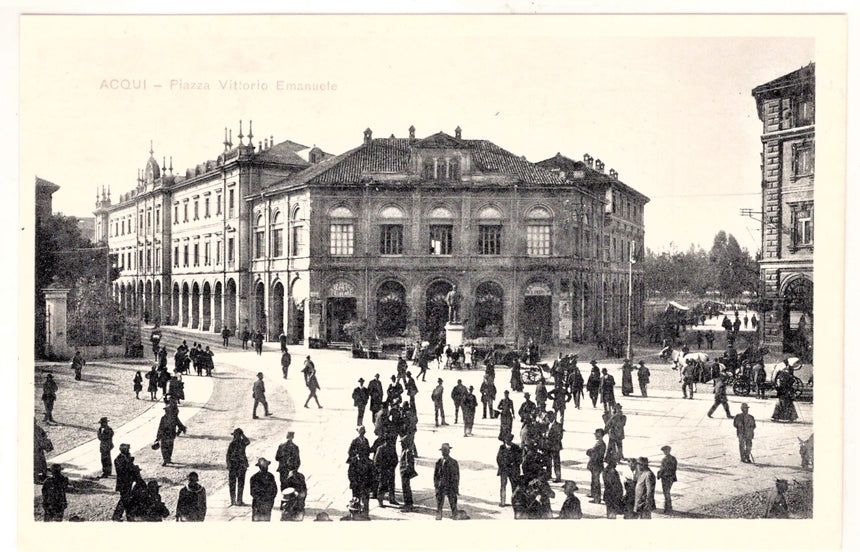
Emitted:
pixel 56 321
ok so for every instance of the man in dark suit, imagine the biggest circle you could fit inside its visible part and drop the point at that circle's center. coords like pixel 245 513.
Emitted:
pixel 288 458
pixel 508 460
pixel 374 390
pixel 666 475
pixel 595 464
pixel 105 435
pixel 126 475
pixel 360 396
pixel 446 481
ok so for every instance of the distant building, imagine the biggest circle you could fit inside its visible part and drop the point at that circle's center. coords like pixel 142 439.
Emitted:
pixel 44 199
pixel 786 107
pixel 289 238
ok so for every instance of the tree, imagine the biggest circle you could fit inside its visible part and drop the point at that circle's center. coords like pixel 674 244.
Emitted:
pixel 733 270
pixel 90 310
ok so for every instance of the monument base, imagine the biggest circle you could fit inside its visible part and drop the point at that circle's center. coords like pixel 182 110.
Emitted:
pixel 454 334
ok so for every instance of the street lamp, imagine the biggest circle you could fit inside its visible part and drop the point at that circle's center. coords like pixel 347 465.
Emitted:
pixel 630 298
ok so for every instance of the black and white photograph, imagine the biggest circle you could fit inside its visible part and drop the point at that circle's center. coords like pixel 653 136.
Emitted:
pixel 441 268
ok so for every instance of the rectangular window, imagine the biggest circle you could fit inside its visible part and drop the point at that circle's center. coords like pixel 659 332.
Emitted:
pixel 148 221
pixel 538 240
pixel 176 256
pixel 278 242
pixel 391 239
pixel 140 258
pixel 185 212
pixel 230 250
pixel 490 239
pixel 140 220
pixel 805 112
pixel 176 214
pixel 259 244
pixel 802 225
pixel 158 219
pixel 230 204
pixel 148 259
pixel 206 250
pixel 158 259
pixel 606 248
pixel 206 208
pixel 196 254
pixel 196 210
pixel 218 204
pixel 341 239
pixel 185 255
pixel 218 252
pixel 441 240
pixel 803 160
pixel 298 245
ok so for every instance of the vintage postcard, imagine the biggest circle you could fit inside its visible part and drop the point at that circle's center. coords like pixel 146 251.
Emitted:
pixel 424 270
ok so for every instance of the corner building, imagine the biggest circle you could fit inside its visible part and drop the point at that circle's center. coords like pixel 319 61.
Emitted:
pixel 384 231
pixel 786 108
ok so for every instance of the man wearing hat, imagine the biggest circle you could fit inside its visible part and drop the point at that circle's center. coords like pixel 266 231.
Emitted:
pixel 745 429
pixel 667 476
pixel 438 408
pixel 166 435
pixel 54 494
pixel 645 481
pixel 105 436
pixel 237 466
pixel 288 458
pixel 571 509
pixel 263 492
pixel 508 460
pixel 720 395
pixel 607 390
pixel 470 407
pixel 613 490
pixel 49 396
pixel 643 374
pixel 127 474
pixel 446 481
pixel 527 409
pixel 286 358
pixel 595 464
pixel 293 497
pixel 506 415
pixel 374 391
pixel 457 395
pixel 615 429
pixel 259 394
pixel 360 397
pixel 554 435
pixel 385 462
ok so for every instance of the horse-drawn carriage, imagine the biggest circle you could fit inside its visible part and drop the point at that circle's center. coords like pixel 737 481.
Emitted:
pixel 533 373
pixel 743 380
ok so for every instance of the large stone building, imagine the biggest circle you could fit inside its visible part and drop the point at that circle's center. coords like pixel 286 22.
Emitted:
pixel 381 233
pixel 786 107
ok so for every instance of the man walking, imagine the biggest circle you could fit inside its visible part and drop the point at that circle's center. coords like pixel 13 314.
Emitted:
pixel 237 466
pixel 360 396
pixel 385 462
pixel 49 396
pixel 311 382
pixel 259 394
pixel 105 436
pixel 644 493
pixel 288 458
pixel 78 365
pixel 488 396
pixel 607 390
pixel 263 492
pixel 166 435
pixel 508 460
pixel 688 378
pixel 667 476
pixel 554 435
pixel 446 481
pixel 720 396
pixel 438 407
pixel 225 336
pixel 644 376
pixel 407 470
pixel 470 407
pixel 457 395
pixel 596 454
pixel 745 428
pixel 506 415
pixel 127 474
pixel 615 429
pixel 286 360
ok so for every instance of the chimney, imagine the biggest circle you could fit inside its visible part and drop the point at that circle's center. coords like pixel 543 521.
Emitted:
pixel 411 133
pixel 458 133
pixel 598 164
pixel 613 173
pixel 589 161
pixel 368 136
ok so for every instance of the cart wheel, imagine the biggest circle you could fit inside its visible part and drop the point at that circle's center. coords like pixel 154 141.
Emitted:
pixel 741 387
pixel 796 387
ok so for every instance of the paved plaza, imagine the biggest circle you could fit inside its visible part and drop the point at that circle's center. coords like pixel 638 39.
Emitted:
pixel 706 448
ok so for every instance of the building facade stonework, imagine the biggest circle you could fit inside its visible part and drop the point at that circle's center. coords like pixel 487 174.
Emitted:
pixel 382 233
pixel 786 107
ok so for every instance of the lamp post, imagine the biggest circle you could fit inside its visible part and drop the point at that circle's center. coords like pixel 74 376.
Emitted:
pixel 630 299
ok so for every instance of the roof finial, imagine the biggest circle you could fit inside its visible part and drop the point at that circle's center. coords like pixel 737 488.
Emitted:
pixel 251 133
pixel 108 194
pixel 151 151
pixel 103 193
pixel 163 165
pixel 241 136
pixel 271 140
pixel 230 141
pixel 259 146
pixel 458 132
pixel 226 143
pixel 411 132
pixel 171 164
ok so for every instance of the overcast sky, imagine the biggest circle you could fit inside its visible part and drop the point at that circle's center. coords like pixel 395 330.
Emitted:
pixel 673 115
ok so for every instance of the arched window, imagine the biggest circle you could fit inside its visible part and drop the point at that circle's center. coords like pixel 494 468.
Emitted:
pixel 489 310
pixel 454 169
pixel 391 230
pixel 297 236
pixel 441 231
pixel 260 237
pixel 341 231
pixel 538 232
pixel 489 231
pixel 277 235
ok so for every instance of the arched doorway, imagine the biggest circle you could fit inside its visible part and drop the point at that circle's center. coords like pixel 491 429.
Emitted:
pixel 277 309
pixel 536 313
pixel 138 304
pixel 217 309
pixel 392 312
pixel 797 302
pixel 156 302
pixel 260 307
pixel 435 311
pixel 296 313
pixel 206 323
pixel 341 307
pixel 185 305
pixel 147 302
pixel 195 306
pixel 174 305
pixel 488 314
pixel 230 305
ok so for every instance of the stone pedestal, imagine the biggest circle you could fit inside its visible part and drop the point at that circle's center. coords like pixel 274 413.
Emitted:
pixel 56 336
pixel 454 334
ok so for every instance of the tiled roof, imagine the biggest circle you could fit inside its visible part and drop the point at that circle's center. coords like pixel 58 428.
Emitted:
pixel 800 76
pixel 285 152
pixel 393 155
pixel 592 179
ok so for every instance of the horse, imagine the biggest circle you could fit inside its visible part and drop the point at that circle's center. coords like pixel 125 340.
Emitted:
pixel 678 358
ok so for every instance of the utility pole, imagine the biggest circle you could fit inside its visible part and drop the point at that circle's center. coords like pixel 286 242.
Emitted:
pixel 630 300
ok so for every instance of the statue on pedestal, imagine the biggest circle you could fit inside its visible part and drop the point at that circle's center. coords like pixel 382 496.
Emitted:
pixel 453 299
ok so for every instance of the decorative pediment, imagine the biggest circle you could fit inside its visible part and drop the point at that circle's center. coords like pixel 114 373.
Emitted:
pixel 440 140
